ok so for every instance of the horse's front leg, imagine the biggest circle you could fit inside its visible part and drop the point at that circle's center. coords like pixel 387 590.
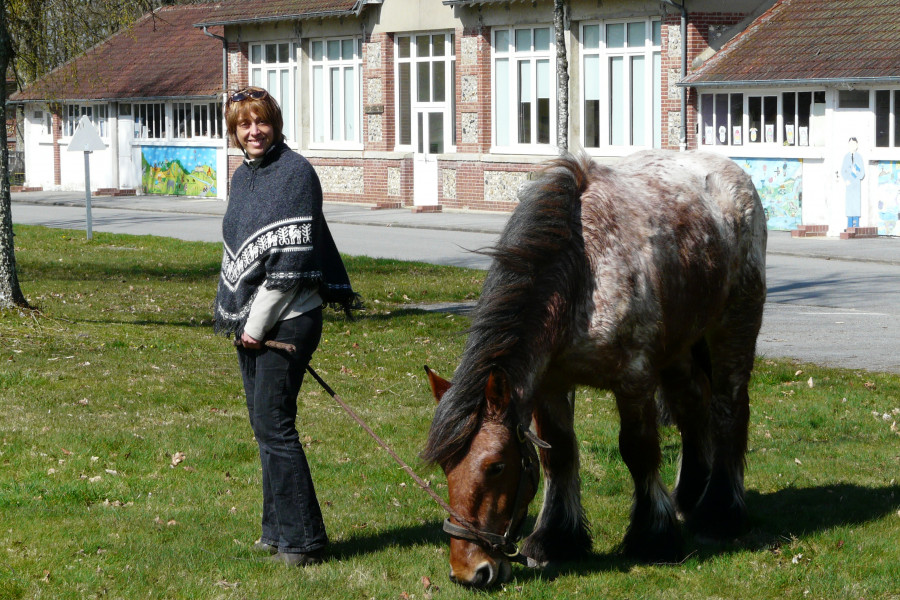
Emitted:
pixel 561 531
pixel 653 534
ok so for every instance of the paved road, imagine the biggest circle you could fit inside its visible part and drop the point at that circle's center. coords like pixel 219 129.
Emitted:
pixel 831 302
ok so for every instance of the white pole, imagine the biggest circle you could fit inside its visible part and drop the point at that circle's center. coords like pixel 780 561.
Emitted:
pixel 87 191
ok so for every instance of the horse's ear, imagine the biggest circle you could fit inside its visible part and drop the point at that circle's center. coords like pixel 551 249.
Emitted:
pixel 439 385
pixel 497 393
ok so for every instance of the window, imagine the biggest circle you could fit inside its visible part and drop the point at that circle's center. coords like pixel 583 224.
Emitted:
pixel 853 99
pixel 426 92
pixel 97 113
pixel 799 110
pixel 149 121
pixel 887 118
pixel 622 66
pixel 272 66
pixel 524 87
pixel 44 121
pixel 723 119
pixel 198 119
pixel 336 83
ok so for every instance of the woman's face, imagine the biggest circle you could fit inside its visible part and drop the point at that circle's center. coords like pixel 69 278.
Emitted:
pixel 255 135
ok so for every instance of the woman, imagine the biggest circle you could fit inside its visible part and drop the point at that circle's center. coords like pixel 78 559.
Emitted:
pixel 279 266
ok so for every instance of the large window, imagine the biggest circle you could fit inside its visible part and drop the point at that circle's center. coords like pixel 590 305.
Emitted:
pixel 788 119
pixel 622 66
pixel 336 84
pixel 273 67
pixel 426 96
pixel 149 120
pixel 97 113
pixel 887 118
pixel 197 119
pixel 524 87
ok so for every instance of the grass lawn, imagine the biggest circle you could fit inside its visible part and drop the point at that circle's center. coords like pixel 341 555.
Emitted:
pixel 128 468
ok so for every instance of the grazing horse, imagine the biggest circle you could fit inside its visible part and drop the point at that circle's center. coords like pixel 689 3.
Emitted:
pixel 646 278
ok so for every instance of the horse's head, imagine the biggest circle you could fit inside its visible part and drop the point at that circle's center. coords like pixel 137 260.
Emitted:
pixel 490 485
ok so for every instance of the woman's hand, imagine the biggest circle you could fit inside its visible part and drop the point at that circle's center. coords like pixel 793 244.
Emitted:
pixel 249 342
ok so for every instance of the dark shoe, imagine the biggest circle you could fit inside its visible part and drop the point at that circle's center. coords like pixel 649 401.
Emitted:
pixel 297 559
pixel 262 547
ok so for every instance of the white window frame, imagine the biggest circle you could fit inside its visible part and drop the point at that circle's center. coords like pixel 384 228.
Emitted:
pixel 335 124
pixel 601 56
pixel 203 120
pixel 506 116
pixel 273 65
pixel 149 120
pixel 893 116
pixel 448 105
pixel 813 138
pixel 98 114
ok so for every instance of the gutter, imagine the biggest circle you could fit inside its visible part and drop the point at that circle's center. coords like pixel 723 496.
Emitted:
pixel 682 142
pixel 826 81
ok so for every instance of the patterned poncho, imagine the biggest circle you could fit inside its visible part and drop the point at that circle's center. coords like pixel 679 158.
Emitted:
pixel 275 235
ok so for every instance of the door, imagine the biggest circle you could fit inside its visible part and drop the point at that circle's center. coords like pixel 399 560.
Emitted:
pixel 426 71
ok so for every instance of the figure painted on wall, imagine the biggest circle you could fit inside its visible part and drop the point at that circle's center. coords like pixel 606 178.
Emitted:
pixel 853 171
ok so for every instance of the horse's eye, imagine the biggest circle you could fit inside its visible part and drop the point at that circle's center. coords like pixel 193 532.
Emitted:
pixel 495 469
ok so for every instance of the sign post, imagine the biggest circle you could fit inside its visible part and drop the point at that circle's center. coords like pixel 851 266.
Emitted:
pixel 86 139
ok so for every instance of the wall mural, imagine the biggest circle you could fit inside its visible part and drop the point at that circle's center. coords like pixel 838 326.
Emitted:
pixel 778 182
pixel 887 198
pixel 178 171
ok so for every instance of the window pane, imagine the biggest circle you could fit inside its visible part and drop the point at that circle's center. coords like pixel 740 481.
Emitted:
pixel 272 83
pixel 287 112
pixel 657 33
pixel 347 49
pixel 523 40
pixel 789 117
pixel 334 103
pixel 435 132
pixel 256 54
pixel 897 118
pixel 438 43
pixel 542 39
pixel 423 74
pixel 770 117
pixel 404 115
pixel 316 51
pixel 502 99
pixel 804 111
pixel 615 35
pixel 737 119
pixel 754 114
pixel 853 99
pixel 637 34
pixel 283 52
pixel 524 97
pixel 617 101
pixel 721 119
pixel 592 36
pixel 657 100
pixel 501 40
pixel 349 105
pixel 334 49
pixel 543 101
pixel 439 81
pixel 882 118
pixel 271 53
pixel 403 47
pixel 256 77
pixel 639 116
pixel 706 108
pixel 592 101
pixel 422 45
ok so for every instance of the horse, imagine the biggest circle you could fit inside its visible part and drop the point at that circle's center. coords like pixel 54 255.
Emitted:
pixel 645 278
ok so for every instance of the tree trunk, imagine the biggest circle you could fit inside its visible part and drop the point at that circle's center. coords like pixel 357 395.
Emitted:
pixel 10 292
pixel 562 70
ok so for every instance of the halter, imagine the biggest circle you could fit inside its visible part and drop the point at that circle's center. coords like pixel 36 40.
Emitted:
pixel 506 543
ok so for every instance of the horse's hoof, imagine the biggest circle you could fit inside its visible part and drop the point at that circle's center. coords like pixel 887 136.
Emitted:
pixel 661 547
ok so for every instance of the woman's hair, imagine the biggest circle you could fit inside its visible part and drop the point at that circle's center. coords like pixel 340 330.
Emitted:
pixel 266 108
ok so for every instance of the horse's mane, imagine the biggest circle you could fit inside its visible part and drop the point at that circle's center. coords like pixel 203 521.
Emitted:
pixel 537 264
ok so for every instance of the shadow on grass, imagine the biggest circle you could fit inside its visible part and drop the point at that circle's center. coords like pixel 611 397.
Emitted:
pixel 774 519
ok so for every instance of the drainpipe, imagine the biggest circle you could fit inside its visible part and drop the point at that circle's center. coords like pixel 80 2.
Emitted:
pixel 224 57
pixel 682 142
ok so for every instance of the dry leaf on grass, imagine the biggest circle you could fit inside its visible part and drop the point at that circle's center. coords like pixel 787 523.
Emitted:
pixel 177 458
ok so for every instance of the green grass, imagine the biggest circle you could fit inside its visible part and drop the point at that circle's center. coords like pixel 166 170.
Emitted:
pixel 119 371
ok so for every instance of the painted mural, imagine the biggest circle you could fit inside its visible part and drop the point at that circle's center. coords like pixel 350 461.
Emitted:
pixel 887 198
pixel 178 171
pixel 778 182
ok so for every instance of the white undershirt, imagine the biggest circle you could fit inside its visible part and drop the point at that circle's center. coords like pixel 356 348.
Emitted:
pixel 271 306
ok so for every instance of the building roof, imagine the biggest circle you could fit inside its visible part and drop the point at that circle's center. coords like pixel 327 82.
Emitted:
pixel 161 55
pixel 238 12
pixel 810 41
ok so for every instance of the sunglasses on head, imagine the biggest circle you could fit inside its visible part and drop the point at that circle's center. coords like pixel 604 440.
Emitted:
pixel 248 93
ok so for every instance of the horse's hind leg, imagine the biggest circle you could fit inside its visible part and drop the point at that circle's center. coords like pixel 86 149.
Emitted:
pixel 653 534
pixel 561 531
pixel 721 511
pixel 685 390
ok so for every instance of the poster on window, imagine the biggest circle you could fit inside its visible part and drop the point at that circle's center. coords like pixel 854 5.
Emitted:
pixel 736 135
pixel 179 171
pixel 887 198
pixel 770 133
pixel 789 135
pixel 778 182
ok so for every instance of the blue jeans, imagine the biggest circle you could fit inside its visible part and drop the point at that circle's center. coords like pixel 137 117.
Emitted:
pixel 291 519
